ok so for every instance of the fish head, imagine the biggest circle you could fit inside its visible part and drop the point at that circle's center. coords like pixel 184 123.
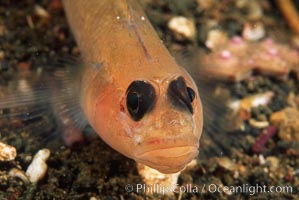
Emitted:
pixel 157 121
pixel 167 138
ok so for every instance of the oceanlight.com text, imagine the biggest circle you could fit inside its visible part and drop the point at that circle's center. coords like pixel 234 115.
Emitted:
pixel 207 188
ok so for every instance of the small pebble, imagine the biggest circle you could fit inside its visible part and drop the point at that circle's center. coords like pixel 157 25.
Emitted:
pixel 273 162
pixel 183 26
pixel 41 12
pixel 262 160
pixel 28 158
pixel 287 121
pixel 7 152
pixel 226 163
pixel 253 32
pixel 216 38
pixel 38 167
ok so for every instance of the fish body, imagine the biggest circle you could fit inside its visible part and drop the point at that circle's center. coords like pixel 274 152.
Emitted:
pixel 132 92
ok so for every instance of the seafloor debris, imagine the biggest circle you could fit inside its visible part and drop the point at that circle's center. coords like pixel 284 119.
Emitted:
pixel 153 177
pixel 251 101
pixel 183 28
pixel 41 12
pixel 38 167
pixel 15 172
pixel 238 59
pixel 263 138
pixel 242 110
pixel 273 163
pixel 216 38
pixel 287 121
pixel 253 31
pixel 226 163
pixel 7 152
pixel 258 124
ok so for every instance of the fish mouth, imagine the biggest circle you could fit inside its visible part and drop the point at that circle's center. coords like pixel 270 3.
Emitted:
pixel 168 160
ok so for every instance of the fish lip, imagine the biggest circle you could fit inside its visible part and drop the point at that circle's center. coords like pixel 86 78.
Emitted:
pixel 168 160
pixel 166 152
pixel 153 144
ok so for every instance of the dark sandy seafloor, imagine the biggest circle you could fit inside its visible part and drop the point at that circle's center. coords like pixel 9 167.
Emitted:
pixel 32 41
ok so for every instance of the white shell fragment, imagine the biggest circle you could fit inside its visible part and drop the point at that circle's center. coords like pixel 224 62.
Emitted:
pixel 41 12
pixel 7 152
pixel 253 32
pixel 15 172
pixel 38 167
pixel 258 124
pixel 152 177
pixel 215 39
pixel 183 26
pixel 251 101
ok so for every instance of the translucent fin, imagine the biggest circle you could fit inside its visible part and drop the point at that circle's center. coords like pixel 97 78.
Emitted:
pixel 66 101
pixel 66 105
pixel 24 105
pixel 215 132
pixel 52 93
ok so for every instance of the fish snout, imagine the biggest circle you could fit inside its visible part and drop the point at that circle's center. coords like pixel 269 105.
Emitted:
pixel 171 123
pixel 167 155
pixel 169 160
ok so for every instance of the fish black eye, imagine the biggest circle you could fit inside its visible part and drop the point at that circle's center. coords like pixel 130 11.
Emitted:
pixel 141 98
pixel 180 95
pixel 191 93
pixel 133 101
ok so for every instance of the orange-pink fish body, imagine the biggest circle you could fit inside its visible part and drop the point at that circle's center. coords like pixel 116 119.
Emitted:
pixel 133 93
